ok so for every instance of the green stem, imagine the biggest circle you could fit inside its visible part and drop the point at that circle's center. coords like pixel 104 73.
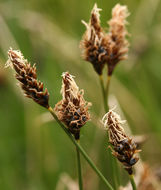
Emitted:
pixel 115 171
pixel 107 88
pixel 114 166
pixel 84 154
pixel 132 182
pixel 103 93
pixel 79 169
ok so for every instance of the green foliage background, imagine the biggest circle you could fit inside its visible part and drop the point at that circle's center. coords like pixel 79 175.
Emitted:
pixel 35 154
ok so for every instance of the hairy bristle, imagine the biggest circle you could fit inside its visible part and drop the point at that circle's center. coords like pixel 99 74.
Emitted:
pixel 69 87
pixel 72 110
pixel 123 147
pixel 27 77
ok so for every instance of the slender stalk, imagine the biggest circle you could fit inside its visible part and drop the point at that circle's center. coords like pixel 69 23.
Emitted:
pixel 132 182
pixel 103 93
pixel 107 87
pixel 84 154
pixel 79 169
pixel 114 166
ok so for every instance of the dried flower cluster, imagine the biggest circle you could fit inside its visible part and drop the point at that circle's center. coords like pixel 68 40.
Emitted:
pixel 124 149
pixel 72 110
pixel 92 44
pixel 27 76
pixel 102 48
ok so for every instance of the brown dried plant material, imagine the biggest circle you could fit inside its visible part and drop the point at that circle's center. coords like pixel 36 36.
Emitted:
pixel 92 44
pixel 102 48
pixel 72 110
pixel 124 148
pixel 118 45
pixel 27 77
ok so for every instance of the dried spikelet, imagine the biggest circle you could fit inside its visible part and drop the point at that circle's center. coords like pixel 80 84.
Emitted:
pixel 92 44
pixel 99 47
pixel 116 39
pixel 124 149
pixel 72 110
pixel 27 76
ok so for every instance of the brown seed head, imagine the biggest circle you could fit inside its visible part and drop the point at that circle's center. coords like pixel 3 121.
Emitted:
pixel 124 149
pixel 99 47
pixel 72 110
pixel 116 38
pixel 27 77
pixel 92 45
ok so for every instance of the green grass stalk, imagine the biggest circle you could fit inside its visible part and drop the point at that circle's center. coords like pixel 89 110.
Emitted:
pixel 114 166
pixel 107 89
pixel 132 182
pixel 84 154
pixel 79 169
pixel 104 94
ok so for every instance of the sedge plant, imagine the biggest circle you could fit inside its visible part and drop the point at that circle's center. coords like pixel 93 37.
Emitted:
pixel 71 113
pixel 101 49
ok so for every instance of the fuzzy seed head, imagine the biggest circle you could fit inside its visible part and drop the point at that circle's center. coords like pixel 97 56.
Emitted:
pixel 72 110
pixel 118 46
pixel 99 47
pixel 92 42
pixel 27 77
pixel 112 122
pixel 123 147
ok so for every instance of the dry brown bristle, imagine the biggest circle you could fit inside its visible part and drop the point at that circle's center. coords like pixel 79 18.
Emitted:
pixel 27 77
pixel 124 148
pixel 72 110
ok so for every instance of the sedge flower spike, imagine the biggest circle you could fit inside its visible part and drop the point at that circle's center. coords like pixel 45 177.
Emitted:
pixel 27 77
pixel 92 44
pixel 99 47
pixel 72 110
pixel 123 147
pixel 116 38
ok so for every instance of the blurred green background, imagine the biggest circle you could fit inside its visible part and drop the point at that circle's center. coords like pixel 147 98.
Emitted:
pixel 35 154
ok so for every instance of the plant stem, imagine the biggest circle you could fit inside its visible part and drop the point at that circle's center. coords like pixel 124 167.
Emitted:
pixel 132 182
pixel 103 93
pixel 84 154
pixel 79 169
pixel 115 170
pixel 107 88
